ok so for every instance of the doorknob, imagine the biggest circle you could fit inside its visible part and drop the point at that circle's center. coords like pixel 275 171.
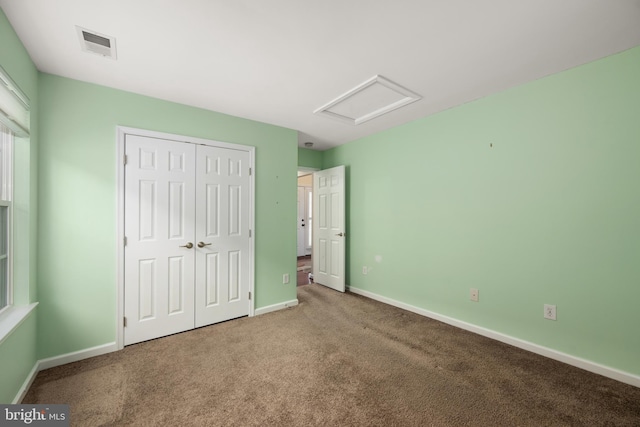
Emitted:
pixel 203 244
pixel 341 234
pixel 189 245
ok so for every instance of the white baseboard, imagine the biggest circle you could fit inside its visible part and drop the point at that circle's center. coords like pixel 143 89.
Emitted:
pixel 51 362
pixel 27 383
pixel 276 307
pixel 76 355
pixel 587 365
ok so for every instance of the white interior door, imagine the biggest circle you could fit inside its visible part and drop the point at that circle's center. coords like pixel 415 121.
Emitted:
pixel 329 232
pixel 222 230
pixel 159 228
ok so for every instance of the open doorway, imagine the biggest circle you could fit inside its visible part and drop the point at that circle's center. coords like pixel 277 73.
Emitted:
pixel 305 227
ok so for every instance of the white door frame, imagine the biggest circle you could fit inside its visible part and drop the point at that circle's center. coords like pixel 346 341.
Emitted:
pixel 306 171
pixel 301 217
pixel 303 237
pixel 120 152
pixel 308 239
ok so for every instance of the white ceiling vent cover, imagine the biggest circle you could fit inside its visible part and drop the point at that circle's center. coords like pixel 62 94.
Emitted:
pixel 371 99
pixel 94 42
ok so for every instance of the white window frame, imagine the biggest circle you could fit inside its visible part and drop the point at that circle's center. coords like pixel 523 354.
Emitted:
pixel 15 112
pixel 6 196
pixel 15 121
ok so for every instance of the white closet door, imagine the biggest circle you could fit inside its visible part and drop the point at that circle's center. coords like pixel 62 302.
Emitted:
pixel 222 234
pixel 159 227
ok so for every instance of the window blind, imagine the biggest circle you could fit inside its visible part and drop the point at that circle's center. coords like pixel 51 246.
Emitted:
pixel 14 106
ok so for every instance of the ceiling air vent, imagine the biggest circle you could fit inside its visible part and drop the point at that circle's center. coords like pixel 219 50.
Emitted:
pixel 94 42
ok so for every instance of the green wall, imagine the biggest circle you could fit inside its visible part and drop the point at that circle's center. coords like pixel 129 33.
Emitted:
pixel 530 195
pixel 309 158
pixel 17 351
pixel 77 234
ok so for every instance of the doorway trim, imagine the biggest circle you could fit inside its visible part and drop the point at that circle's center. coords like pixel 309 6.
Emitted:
pixel 302 172
pixel 121 132
pixel 307 171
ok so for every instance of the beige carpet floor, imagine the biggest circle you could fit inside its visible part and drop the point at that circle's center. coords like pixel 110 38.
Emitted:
pixel 334 360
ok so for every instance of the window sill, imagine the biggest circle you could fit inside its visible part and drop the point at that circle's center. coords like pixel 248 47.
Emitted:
pixel 13 317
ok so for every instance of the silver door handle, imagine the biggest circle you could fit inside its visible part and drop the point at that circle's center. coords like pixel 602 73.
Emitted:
pixel 341 234
pixel 203 244
pixel 189 245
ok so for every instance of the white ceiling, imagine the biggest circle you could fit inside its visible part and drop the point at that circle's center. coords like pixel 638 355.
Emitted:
pixel 278 61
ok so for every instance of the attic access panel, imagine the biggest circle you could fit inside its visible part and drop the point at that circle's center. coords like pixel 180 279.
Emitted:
pixel 371 99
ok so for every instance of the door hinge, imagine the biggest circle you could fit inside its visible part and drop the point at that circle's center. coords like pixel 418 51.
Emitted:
pixel 124 322
pixel 249 295
pixel 125 240
pixel 124 159
pixel 250 171
pixel 249 232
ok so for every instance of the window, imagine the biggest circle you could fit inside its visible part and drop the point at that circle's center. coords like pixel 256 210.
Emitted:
pixel 14 122
pixel 14 106
pixel 6 163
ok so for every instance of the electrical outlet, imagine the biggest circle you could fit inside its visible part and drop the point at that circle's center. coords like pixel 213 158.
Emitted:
pixel 285 278
pixel 474 295
pixel 550 312
pixel 365 270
